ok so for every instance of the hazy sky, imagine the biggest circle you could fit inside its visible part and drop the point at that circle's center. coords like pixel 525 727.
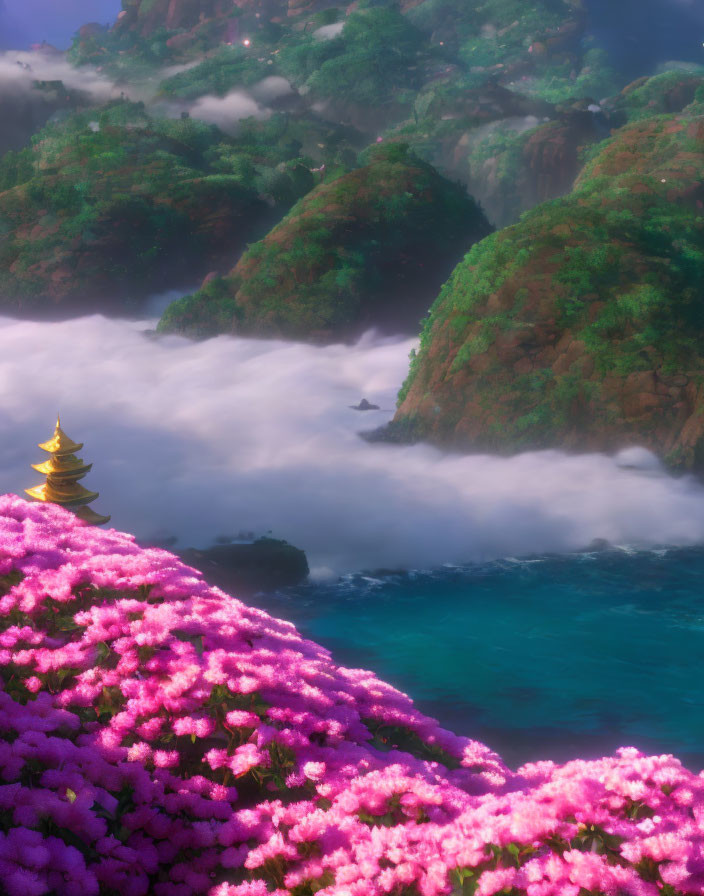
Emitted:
pixel 210 438
pixel 637 32
pixel 27 21
pixel 640 34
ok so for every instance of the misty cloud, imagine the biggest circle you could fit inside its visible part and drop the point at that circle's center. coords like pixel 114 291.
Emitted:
pixel 20 69
pixel 328 32
pixel 270 89
pixel 228 110
pixel 208 439
pixel 25 108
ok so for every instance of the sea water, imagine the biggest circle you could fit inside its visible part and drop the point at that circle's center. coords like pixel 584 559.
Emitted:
pixel 549 657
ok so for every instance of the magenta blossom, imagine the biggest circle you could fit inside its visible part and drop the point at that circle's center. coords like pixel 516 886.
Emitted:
pixel 158 736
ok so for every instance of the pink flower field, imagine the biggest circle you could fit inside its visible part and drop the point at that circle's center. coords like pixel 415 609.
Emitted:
pixel 157 736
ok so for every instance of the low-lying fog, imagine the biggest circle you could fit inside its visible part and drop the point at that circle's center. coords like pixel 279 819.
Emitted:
pixel 200 440
pixel 25 107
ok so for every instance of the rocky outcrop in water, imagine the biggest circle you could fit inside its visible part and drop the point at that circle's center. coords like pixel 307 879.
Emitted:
pixel 263 565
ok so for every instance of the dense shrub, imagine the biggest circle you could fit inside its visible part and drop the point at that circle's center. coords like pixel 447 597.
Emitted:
pixel 159 737
pixel 376 54
pixel 228 68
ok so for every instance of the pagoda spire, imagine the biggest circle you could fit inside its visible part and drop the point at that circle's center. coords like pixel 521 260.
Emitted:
pixel 63 469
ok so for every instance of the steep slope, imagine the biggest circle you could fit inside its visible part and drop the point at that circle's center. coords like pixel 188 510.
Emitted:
pixel 582 326
pixel 364 249
pixel 24 110
pixel 113 203
pixel 510 151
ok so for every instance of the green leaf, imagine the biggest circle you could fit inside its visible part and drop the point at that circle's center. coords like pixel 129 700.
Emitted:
pixel 145 652
pixel 465 881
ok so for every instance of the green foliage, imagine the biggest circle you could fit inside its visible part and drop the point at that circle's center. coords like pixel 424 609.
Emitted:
pixel 15 168
pixel 339 250
pixel 375 56
pixel 394 737
pixel 129 192
pixel 122 53
pixel 393 153
pixel 510 26
pixel 226 69
pixel 286 183
pixel 553 82
pixel 605 283
pixel 665 93
pixel 327 16
pixel 209 312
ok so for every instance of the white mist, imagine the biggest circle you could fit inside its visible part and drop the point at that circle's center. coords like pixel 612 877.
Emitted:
pixel 199 440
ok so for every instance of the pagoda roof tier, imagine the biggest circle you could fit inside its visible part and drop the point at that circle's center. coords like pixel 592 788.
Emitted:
pixel 74 495
pixel 90 516
pixel 60 443
pixel 67 488
pixel 63 481
pixel 63 467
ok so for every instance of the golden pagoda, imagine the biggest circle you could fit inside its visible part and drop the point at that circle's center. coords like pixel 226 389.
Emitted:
pixel 62 471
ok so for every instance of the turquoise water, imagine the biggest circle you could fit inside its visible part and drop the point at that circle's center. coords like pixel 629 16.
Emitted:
pixel 552 657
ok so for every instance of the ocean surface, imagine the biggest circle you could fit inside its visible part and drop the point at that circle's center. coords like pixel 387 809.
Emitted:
pixel 552 657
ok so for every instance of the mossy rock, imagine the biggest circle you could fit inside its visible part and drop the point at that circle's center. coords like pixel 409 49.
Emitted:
pixel 244 569
pixel 582 326
pixel 364 249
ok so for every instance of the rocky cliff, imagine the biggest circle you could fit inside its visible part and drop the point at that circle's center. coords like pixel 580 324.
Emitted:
pixel 147 17
pixel 461 82
pixel 581 326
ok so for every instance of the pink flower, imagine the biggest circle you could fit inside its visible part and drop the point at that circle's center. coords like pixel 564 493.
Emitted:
pixel 164 691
